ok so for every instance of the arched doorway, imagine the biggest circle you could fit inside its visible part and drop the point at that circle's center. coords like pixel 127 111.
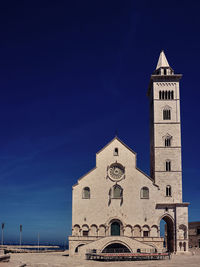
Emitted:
pixel 167 231
pixel 115 228
pixel 116 248
pixel 77 248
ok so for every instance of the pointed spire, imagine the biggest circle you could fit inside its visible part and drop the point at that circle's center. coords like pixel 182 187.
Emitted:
pixel 162 61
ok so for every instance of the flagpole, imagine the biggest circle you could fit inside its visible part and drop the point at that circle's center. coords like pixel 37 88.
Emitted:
pixel 38 241
pixel 20 236
pixel 2 227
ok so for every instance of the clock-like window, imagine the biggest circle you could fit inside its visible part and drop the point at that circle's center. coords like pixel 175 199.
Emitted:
pixel 116 171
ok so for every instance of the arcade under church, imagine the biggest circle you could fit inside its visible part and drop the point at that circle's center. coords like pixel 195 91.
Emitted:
pixel 116 205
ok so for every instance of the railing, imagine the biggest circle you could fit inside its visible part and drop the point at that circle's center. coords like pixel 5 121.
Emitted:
pixel 124 250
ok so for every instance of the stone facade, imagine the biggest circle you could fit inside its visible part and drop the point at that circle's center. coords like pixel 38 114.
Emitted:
pixel 117 203
pixel 194 234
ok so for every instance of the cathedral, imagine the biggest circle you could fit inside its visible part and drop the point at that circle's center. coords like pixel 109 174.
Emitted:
pixel 118 206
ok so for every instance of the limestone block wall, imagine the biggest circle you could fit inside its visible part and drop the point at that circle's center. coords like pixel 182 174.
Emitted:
pixel 182 228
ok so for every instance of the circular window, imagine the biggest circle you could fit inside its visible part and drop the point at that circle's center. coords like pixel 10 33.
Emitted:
pixel 116 171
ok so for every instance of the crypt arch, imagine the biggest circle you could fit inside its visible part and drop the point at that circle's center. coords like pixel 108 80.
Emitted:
pixel 116 246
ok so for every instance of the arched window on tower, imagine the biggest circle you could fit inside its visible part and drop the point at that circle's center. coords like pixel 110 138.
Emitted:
pixel 166 114
pixel 168 141
pixel 168 191
pixel 168 165
pixel 86 193
pixel 144 193
pixel 172 94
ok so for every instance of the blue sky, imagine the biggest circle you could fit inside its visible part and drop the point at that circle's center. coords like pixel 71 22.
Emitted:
pixel 72 74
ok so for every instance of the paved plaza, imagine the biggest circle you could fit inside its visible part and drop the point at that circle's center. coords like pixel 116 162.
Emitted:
pixel 59 259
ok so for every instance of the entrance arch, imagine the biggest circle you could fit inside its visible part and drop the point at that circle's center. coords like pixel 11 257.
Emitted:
pixel 168 232
pixel 116 248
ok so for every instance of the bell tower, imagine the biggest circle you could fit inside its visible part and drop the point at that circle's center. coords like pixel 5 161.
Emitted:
pixel 165 131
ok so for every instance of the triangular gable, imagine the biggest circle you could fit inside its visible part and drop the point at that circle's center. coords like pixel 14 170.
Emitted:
pixel 117 138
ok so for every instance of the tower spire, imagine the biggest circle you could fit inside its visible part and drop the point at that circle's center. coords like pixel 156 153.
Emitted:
pixel 162 61
pixel 163 67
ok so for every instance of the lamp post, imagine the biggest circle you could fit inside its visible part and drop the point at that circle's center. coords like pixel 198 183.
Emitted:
pixel 20 236
pixel 38 242
pixel 2 227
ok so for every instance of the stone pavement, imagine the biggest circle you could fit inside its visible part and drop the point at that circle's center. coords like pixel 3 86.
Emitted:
pixel 58 259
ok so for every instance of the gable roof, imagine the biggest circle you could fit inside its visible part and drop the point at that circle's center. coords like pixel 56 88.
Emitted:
pixel 117 138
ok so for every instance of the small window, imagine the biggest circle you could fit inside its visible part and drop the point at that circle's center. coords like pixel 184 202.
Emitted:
pixel 168 165
pixel 117 191
pixel 168 141
pixel 145 233
pixel 198 231
pixel 166 114
pixel 144 192
pixel 172 94
pixel 86 192
pixel 168 191
pixel 165 72
pixel 116 152
pixel 85 233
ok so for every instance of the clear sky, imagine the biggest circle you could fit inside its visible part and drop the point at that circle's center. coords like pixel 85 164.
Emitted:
pixel 72 73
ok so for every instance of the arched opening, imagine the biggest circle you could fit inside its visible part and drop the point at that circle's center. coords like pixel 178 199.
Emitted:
pixel 86 193
pixel 116 248
pixel 77 248
pixel 144 193
pixel 115 228
pixel 167 232
pixel 117 191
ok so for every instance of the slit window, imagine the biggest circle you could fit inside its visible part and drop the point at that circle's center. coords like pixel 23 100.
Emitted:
pixel 166 95
pixel 168 191
pixel 116 152
pixel 168 165
pixel 168 141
